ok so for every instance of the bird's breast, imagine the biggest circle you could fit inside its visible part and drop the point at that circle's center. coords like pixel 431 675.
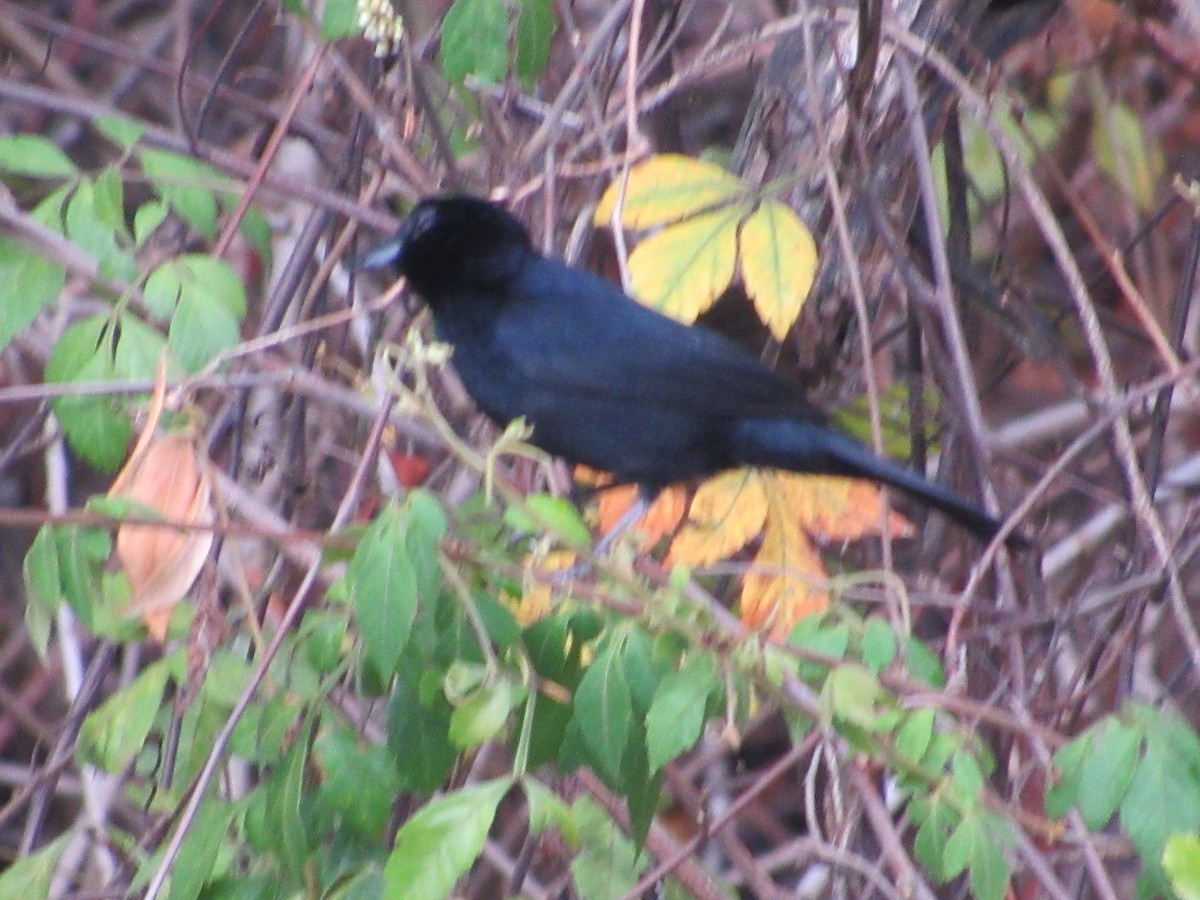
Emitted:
pixel 485 368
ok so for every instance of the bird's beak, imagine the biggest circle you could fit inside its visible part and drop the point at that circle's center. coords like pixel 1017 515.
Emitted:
pixel 381 256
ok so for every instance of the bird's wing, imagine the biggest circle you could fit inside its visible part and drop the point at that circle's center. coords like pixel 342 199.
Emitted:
pixel 596 341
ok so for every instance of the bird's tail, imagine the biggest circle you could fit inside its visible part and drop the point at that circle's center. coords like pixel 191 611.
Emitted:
pixel 817 448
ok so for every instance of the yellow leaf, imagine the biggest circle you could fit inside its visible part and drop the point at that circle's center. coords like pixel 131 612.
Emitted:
pixel 667 188
pixel 727 511
pixel 895 413
pixel 779 262
pixel 1128 155
pixel 537 594
pixel 681 270
pixel 787 581
pixel 836 508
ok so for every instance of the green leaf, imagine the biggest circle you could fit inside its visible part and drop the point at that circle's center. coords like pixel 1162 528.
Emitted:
pixel 642 672
pixel 148 217
pixel 1169 727
pixel 287 812
pixel 586 624
pixel 936 819
pixel 607 864
pixel 121 131
pixel 603 708
pixel 544 512
pixel 187 185
pixel 30 283
pixel 1181 860
pixel 989 869
pixel 418 733
pixel 324 636
pixel 193 867
pixel 204 300
pixel 42 591
pixel 462 678
pixel 553 650
pixel 256 229
pixel 914 734
pixel 424 523
pixel 383 590
pixel 547 810
pixel 482 715
pixel 73 353
pixel 878 644
pixel 31 154
pixel 1107 771
pixel 961 846
pixel 117 729
pixel 942 747
pixel 498 621
pixel 87 224
pixel 266 729
pixel 81 553
pixel 965 773
pixel 640 787
pixel 922 664
pixel 110 200
pixel 813 634
pixel 437 846
pixel 359 780
pixel 138 351
pixel 572 751
pixel 340 20
pixel 535 28
pixel 850 694
pixel 90 351
pixel 562 517
pixel 475 40
pixel 30 876
pixel 551 724
pixel 1063 793
pixel 226 679
pixel 677 713
pixel 1163 798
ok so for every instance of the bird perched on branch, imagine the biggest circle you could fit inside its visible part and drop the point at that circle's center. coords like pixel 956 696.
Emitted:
pixel 607 382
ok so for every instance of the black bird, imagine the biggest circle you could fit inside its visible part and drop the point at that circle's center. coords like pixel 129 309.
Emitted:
pixel 605 381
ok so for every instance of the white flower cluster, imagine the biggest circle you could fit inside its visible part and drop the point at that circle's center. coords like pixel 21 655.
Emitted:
pixel 382 25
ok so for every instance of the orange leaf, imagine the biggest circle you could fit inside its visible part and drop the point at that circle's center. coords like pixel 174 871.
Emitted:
pixel 835 508
pixel 660 519
pixel 162 562
pixel 727 511
pixel 587 475
pixel 787 581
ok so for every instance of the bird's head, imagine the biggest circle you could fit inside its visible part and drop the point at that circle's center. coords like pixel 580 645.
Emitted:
pixel 453 243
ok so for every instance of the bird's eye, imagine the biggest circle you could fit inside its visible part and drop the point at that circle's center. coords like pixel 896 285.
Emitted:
pixel 422 220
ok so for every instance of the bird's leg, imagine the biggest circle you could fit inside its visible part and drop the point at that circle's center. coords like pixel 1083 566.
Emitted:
pixel 641 505
pixel 605 544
